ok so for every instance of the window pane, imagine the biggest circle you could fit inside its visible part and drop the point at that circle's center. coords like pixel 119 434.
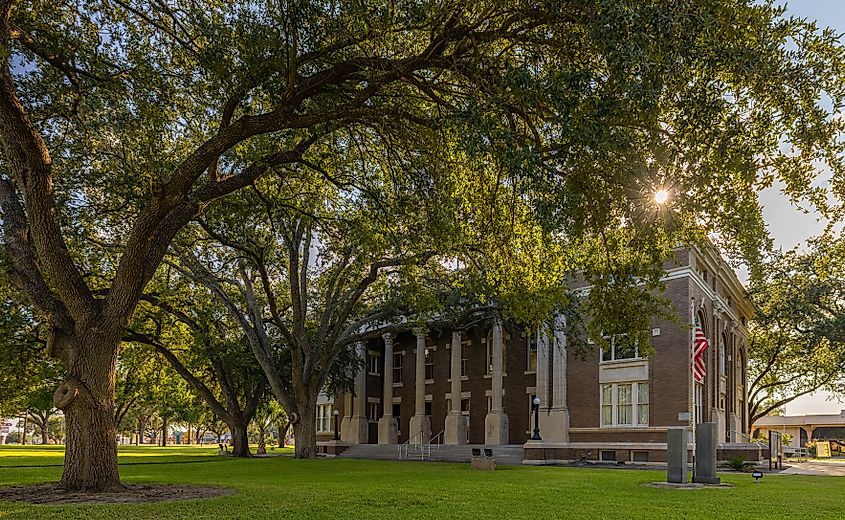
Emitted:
pixel 532 353
pixel 642 414
pixel 397 367
pixel 624 405
pixel 607 353
pixel 606 415
pixel 624 347
pixel 642 393
pixel 607 405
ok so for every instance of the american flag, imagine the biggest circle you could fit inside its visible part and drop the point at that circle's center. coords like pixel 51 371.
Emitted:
pixel 699 345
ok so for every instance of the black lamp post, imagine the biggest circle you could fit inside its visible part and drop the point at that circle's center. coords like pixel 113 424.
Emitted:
pixel 536 436
pixel 336 434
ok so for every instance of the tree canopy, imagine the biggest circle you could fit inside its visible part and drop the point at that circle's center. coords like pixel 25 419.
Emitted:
pixel 123 120
pixel 797 343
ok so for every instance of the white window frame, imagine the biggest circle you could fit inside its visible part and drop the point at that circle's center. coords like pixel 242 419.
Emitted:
pixel 324 417
pixel 531 345
pixel 373 363
pixel 698 402
pixel 429 361
pixel 633 407
pixel 373 409
pixel 612 345
pixel 398 367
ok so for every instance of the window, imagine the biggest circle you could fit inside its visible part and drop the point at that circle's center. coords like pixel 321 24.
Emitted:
pixel 374 363
pixel 620 346
pixel 624 404
pixel 324 418
pixel 608 455
pixel 489 367
pixel 464 406
pixel 639 456
pixel 374 410
pixel 607 405
pixel 698 403
pixel 642 403
pixel 397 366
pixel 429 364
pixel 624 417
pixel 531 352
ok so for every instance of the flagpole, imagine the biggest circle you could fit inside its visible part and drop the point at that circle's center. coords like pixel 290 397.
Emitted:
pixel 691 379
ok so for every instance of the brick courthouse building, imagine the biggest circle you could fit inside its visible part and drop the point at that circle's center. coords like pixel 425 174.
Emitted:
pixel 611 405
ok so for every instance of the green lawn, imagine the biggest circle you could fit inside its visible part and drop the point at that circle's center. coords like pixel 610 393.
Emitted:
pixel 281 487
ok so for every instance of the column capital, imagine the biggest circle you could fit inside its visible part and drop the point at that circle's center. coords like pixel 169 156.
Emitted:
pixel 387 337
pixel 419 331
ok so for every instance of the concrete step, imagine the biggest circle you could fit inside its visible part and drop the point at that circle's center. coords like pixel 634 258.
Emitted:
pixel 444 453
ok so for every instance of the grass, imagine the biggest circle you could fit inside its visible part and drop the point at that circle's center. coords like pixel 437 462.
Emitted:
pixel 281 487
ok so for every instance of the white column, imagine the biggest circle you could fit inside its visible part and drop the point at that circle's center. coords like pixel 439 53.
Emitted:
pixel 357 429
pixel 387 429
pixel 387 400
pixel 543 366
pixel 420 427
pixel 496 422
pixel 455 422
pixel 556 428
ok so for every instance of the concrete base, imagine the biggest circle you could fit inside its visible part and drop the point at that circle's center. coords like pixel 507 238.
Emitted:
pixel 332 448
pixel 456 429
pixel 388 432
pixel 357 430
pixel 420 429
pixel 554 426
pixel 496 429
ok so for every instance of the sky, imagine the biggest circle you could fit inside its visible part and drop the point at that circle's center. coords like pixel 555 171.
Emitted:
pixel 788 225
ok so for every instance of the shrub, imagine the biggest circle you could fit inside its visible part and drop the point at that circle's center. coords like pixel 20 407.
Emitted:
pixel 739 464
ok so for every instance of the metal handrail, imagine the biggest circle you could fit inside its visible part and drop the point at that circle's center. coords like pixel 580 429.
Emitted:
pixel 427 446
pixel 407 444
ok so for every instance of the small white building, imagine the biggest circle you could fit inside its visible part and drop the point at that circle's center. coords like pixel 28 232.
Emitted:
pixel 804 428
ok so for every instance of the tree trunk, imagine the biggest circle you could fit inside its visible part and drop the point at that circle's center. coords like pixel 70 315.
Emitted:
pixel 87 399
pixel 142 427
pixel 283 426
pixel 25 426
pixel 305 443
pixel 164 432
pixel 44 436
pixel 305 428
pixel 262 443
pixel 240 440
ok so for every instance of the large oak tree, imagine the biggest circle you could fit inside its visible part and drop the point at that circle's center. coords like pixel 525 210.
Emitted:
pixel 797 342
pixel 123 120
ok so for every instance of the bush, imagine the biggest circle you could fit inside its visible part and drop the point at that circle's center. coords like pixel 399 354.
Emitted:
pixel 739 464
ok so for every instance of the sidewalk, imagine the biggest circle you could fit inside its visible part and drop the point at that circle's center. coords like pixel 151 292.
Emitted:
pixel 832 468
